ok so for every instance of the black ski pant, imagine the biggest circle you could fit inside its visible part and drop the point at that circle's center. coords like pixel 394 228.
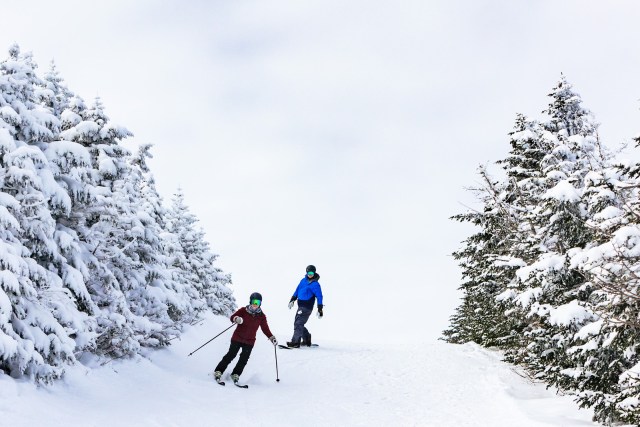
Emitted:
pixel 300 332
pixel 232 353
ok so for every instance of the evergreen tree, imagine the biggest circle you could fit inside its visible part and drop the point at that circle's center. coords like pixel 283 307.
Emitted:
pixel 54 94
pixel 552 271
pixel 36 308
pixel 195 262
pixel 155 295
pixel 605 350
pixel 556 292
pixel 90 260
pixel 492 257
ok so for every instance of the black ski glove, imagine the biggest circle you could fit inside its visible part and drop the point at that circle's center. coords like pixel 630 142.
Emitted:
pixel 320 310
pixel 291 302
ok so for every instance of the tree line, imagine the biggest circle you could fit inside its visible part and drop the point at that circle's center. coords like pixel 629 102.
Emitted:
pixel 92 263
pixel 551 276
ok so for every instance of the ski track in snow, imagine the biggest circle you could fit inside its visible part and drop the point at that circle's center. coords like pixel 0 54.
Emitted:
pixel 338 384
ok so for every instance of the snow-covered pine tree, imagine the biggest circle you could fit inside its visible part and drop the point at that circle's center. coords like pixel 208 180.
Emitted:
pixel 107 229
pixel 36 307
pixel 488 267
pixel 32 341
pixel 84 256
pixel 478 311
pixel 55 94
pixel 524 184
pixel 605 350
pixel 70 165
pixel 195 263
pixel 491 257
pixel 157 296
pixel 573 302
pixel 556 295
pixel 27 120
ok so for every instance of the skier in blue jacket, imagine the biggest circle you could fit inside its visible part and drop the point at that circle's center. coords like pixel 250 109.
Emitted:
pixel 306 293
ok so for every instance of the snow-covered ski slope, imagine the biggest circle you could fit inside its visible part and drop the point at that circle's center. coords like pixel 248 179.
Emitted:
pixel 336 384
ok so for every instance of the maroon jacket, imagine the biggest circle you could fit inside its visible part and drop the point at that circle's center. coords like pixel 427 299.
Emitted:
pixel 246 332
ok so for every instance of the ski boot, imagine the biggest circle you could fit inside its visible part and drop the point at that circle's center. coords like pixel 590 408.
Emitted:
pixel 293 344
pixel 236 378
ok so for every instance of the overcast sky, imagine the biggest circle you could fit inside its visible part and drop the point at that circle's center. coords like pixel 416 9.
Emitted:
pixel 337 133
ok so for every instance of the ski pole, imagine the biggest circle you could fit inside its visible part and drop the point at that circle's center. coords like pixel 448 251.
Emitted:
pixel 212 339
pixel 275 351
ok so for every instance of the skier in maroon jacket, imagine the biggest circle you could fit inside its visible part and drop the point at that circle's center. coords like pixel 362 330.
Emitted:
pixel 248 318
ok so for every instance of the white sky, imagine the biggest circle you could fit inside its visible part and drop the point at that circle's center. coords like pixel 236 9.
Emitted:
pixel 336 133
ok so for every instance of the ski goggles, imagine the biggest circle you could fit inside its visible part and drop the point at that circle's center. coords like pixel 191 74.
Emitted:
pixel 310 273
pixel 255 302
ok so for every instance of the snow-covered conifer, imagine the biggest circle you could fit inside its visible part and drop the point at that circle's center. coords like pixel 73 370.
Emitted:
pixel 561 200
pixel 604 350
pixel 557 299
pixel 37 308
pixel 195 261
pixel 154 294
pixel 90 261
pixel 491 257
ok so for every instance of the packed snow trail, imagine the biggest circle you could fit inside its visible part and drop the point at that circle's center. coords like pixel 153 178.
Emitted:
pixel 337 384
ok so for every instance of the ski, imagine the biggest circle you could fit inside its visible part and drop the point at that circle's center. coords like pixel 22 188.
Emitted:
pixel 284 347
pixel 217 379
pixel 240 385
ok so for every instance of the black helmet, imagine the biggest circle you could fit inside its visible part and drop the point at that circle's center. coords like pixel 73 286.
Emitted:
pixel 255 295
pixel 311 268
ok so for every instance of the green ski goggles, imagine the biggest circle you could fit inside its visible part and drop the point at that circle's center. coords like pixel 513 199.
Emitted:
pixel 255 302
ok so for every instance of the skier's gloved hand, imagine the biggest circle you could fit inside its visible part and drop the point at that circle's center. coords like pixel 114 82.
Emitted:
pixel 320 311
pixel 273 340
pixel 291 302
pixel 238 320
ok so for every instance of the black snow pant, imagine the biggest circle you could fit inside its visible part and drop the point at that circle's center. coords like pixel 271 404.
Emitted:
pixel 299 330
pixel 232 353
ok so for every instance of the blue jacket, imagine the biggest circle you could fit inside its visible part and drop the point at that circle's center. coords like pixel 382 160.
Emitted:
pixel 308 290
